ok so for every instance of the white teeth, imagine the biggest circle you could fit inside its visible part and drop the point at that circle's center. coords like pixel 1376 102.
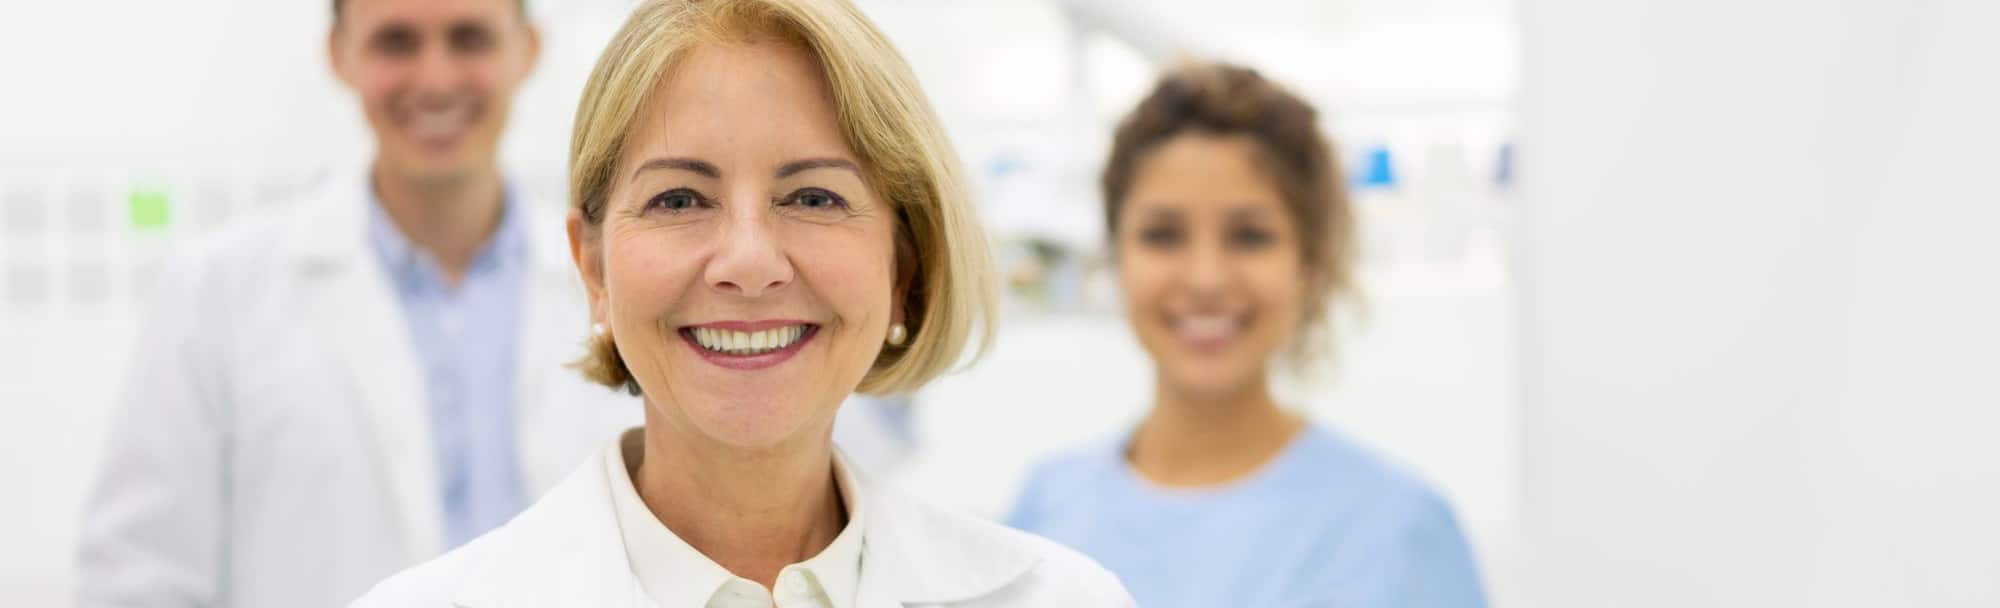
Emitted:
pixel 1207 327
pixel 747 343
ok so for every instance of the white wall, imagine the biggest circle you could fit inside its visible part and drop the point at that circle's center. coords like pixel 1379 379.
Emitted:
pixel 1759 289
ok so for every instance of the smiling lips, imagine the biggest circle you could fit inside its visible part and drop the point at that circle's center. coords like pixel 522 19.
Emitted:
pixel 749 345
pixel 1207 333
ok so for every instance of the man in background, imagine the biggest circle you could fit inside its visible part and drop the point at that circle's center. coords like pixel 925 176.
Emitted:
pixel 374 374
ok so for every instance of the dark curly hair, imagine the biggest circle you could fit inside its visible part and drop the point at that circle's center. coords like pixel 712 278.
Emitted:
pixel 1224 99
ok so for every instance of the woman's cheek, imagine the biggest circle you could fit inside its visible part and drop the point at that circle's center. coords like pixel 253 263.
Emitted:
pixel 1282 291
pixel 643 276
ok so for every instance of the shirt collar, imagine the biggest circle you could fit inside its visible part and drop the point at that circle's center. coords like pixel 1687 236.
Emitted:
pixel 675 574
pixel 504 248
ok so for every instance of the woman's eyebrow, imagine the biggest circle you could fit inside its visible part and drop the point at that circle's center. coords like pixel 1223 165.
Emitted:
pixel 800 166
pixel 691 165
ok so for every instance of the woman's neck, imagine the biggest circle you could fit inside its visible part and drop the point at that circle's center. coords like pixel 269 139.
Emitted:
pixel 449 217
pixel 753 513
pixel 1196 439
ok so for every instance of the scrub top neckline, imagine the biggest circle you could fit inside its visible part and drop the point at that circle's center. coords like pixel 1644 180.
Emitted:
pixel 1263 476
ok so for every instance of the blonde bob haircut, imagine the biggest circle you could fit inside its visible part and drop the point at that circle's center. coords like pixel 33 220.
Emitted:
pixel 941 253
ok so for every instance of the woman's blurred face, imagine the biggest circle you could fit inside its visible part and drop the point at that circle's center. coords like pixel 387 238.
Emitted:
pixel 745 266
pixel 1209 263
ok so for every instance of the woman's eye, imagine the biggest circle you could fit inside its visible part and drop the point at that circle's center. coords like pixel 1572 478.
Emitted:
pixel 1160 237
pixel 1251 238
pixel 816 199
pixel 675 201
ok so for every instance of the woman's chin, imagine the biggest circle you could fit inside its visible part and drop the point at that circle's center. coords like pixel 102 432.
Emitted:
pixel 754 423
pixel 1213 378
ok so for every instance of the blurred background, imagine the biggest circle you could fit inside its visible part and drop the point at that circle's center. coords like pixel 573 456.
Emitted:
pixel 1681 303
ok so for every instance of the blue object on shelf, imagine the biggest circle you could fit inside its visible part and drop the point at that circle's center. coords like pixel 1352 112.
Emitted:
pixel 1005 164
pixel 1379 170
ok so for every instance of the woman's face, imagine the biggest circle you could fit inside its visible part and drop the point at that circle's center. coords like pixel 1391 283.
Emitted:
pixel 744 267
pixel 1209 263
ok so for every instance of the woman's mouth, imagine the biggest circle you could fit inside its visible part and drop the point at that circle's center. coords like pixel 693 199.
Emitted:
pixel 1207 333
pixel 747 345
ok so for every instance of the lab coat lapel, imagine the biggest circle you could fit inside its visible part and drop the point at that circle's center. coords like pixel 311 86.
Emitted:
pixel 566 550
pixel 552 326
pixel 917 554
pixel 876 591
pixel 350 300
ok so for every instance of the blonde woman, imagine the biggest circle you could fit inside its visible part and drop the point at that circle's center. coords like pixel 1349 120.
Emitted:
pixel 767 217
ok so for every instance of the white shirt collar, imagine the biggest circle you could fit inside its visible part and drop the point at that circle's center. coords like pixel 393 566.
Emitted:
pixel 675 574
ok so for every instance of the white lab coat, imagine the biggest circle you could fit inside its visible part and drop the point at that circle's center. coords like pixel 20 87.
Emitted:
pixel 273 444
pixel 567 550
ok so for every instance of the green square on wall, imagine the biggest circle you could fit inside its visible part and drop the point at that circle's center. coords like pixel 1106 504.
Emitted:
pixel 149 206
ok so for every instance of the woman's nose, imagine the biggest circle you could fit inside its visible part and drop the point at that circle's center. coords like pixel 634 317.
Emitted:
pixel 750 261
pixel 1208 269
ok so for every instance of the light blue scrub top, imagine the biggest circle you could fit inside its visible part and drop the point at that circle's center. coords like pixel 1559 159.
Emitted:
pixel 1324 524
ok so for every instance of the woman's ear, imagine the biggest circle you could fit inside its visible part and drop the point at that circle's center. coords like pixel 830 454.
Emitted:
pixel 586 251
pixel 906 273
pixel 899 304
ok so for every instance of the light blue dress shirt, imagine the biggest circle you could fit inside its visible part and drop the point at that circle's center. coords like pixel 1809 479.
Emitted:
pixel 465 338
pixel 1324 524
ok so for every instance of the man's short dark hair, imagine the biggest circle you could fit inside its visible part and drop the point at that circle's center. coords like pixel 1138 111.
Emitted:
pixel 520 4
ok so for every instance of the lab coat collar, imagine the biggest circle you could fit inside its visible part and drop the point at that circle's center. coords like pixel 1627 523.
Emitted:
pixel 563 551
pixel 330 231
pixel 916 553
pixel 350 299
pixel 677 574
pixel 567 550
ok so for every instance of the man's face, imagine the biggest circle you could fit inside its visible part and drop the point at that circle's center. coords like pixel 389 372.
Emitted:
pixel 435 77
